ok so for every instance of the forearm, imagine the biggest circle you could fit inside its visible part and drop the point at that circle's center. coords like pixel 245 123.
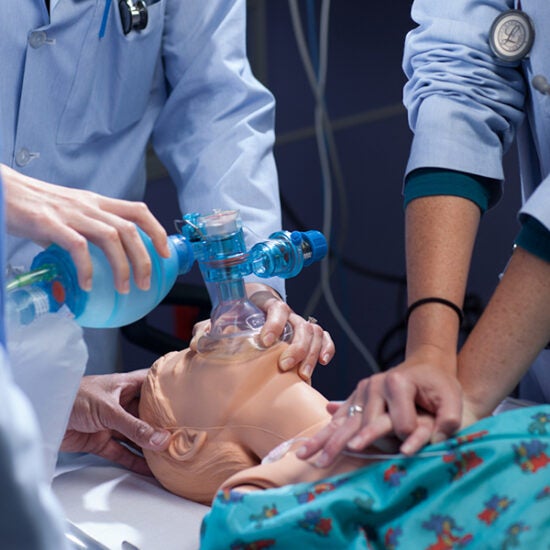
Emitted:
pixel 514 327
pixel 440 234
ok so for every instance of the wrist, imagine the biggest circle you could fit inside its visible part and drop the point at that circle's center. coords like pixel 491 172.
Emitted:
pixel 433 332
pixel 430 300
pixel 254 288
pixel 426 353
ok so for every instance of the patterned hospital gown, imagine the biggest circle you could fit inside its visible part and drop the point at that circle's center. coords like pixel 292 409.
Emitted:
pixel 488 489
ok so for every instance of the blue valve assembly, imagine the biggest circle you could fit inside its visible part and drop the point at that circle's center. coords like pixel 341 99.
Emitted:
pixel 215 241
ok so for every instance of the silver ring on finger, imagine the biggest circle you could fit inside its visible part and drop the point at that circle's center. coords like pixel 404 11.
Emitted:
pixel 312 320
pixel 354 409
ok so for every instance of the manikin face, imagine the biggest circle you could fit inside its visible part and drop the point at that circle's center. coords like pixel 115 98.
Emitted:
pixel 226 410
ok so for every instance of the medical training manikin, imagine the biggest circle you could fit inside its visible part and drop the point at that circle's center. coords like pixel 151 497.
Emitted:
pixel 227 409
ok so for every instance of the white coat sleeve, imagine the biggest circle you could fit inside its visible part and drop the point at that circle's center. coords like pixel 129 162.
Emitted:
pixel 215 132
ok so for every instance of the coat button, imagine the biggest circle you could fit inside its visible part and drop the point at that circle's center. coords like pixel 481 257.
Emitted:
pixel 24 156
pixel 37 39
pixel 540 84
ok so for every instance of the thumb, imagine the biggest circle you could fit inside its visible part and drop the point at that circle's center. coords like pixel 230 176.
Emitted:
pixel 141 433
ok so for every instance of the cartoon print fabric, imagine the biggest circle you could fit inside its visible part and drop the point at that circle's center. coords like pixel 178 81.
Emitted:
pixel 490 488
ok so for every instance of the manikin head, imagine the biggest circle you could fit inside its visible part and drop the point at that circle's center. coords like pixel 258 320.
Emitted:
pixel 226 410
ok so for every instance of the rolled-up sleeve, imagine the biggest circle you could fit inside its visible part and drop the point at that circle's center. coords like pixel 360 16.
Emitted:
pixel 464 105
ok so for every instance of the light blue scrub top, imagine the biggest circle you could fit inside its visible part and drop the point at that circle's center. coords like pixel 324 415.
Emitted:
pixel 80 109
pixel 466 107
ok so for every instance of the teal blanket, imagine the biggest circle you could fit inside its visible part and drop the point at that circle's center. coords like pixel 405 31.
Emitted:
pixel 489 488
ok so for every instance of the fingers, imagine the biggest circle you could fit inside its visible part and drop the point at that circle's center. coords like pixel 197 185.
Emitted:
pixel 137 431
pixel 432 391
pixel 123 246
pixel 113 397
pixel 364 422
pixel 305 347
pixel 320 440
pixel 46 213
pixel 449 415
pixel 110 241
pixel 400 396
pixel 328 439
pixel 277 316
pixel 343 430
pixel 77 246
pixel 328 349
pixel 374 421
pixel 139 213
pixel 417 439
pixel 310 345
pixel 416 404
pixel 365 419
pixel 126 244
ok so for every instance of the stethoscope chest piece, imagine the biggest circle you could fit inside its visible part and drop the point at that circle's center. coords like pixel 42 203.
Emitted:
pixel 512 35
pixel 133 15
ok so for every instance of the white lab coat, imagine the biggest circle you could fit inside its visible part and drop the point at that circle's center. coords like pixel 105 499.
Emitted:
pixel 466 107
pixel 48 358
pixel 79 109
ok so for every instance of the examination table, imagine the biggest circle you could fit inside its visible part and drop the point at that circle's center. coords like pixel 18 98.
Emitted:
pixel 122 510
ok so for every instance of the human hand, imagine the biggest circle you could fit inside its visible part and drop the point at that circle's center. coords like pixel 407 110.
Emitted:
pixel 105 413
pixel 310 343
pixel 416 402
pixel 46 213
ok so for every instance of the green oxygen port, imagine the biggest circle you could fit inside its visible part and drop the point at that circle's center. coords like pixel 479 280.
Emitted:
pixel 45 274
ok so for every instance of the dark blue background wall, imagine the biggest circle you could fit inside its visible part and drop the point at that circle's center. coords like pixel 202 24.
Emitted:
pixel 363 97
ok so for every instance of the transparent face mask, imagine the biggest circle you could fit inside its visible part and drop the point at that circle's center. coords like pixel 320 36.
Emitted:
pixel 232 324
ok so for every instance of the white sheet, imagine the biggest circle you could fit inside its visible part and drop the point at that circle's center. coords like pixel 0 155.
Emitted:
pixel 113 505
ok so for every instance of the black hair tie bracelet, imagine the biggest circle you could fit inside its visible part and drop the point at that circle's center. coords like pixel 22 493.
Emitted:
pixel 435 299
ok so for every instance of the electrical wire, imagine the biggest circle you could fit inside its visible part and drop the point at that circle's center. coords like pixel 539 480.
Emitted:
pixel 312 33
pixel 324 145
pixel 322 127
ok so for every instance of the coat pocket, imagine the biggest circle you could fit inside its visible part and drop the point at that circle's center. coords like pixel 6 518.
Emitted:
pixel 114 77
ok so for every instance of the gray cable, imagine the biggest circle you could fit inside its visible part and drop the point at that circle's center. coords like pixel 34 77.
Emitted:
pixel 323 129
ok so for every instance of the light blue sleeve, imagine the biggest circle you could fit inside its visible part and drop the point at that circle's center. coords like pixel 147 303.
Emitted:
pixel 215 133
pixel 464 105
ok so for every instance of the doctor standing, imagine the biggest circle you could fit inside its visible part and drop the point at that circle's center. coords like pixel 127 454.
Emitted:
pixel 478 75
pixel 86 84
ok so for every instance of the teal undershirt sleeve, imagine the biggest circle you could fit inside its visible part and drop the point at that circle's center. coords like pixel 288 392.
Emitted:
pixel 424 182
pixel 485 192
pixel 534 237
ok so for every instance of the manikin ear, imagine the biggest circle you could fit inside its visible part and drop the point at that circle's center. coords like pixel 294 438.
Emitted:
pixel 186 443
